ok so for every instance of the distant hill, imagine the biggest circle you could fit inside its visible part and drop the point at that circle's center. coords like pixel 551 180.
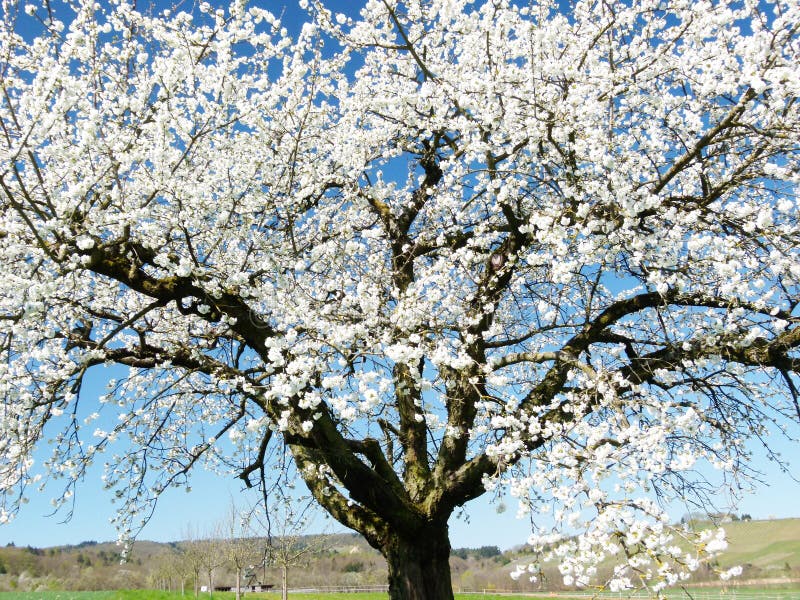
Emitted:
pixel 766 550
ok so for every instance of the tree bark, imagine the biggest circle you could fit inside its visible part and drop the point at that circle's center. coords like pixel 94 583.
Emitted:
pixel 419 565
pixel 284 581
pixel 415 543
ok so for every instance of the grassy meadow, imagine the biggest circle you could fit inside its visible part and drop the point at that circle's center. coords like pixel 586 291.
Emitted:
pixel 766 545
pixel 734 593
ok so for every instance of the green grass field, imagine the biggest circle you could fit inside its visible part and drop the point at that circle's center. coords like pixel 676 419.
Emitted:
pixel 741 593
pixel 765 544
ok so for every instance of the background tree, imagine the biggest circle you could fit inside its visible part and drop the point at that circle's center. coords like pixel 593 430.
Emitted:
pixel 181 567
pixel 191 556
pixel 161 577
pixel 212 555
pixel 171 569
pixel 284 519
pixel 434 249
pixel 240 547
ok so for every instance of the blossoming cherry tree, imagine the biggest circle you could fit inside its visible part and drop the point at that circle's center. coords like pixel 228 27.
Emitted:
pixel 437 249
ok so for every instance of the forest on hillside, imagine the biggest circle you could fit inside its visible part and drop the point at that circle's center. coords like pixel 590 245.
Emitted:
pixel 765 550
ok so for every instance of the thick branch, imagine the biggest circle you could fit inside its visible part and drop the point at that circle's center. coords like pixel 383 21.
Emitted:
pixel 118 264
pixel 343 510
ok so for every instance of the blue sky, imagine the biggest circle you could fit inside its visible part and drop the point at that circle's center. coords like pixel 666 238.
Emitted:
pixel 211 496
pixel 482 523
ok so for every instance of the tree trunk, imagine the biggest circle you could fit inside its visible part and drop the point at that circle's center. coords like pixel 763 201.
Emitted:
pixel 284 581
pixel 419 566
pixel 238 583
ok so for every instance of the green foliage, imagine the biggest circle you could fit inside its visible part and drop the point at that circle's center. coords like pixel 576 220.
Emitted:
pixel 355 566
pixel 482 552
pixel 83 560
pixel 111 558
pixel 488 551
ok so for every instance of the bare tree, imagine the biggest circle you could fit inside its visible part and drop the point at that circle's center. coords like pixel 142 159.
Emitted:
pixel 160 576
pixel 170 570
pixel 192 558
pixel 239 547
pixel 212 556
pixel 285 519
pixel 183 567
